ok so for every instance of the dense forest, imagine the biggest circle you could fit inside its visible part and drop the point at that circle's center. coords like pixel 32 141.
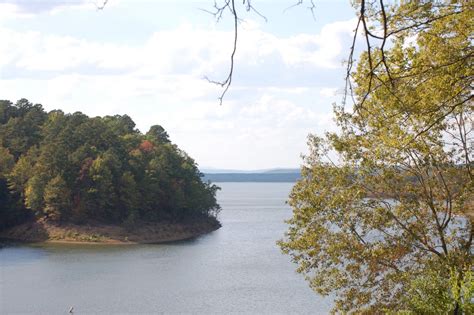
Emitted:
pixel 75 168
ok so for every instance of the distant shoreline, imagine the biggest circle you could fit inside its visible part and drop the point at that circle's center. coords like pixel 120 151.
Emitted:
pixel 290 177
pixel 42 231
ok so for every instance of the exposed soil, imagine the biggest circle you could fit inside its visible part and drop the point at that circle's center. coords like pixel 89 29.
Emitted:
pixel 144 233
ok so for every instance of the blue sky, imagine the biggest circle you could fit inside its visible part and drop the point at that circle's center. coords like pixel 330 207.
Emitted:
pixel 147 59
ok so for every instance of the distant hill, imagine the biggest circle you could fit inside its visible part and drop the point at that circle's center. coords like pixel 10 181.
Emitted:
pixel 272 175
pixel 281 171
pixel 210 170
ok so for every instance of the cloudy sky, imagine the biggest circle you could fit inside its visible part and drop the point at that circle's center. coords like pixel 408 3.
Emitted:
pixel 148 58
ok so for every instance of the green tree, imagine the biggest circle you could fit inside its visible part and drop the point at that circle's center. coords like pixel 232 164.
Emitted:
pixel 57 199
pixel 22 171
pixel 7 162
pixel 430 293
pixel 129 195
pixel 34 192
pixel 120 125
pixel 22 130
pixel 11 211
pixel 387 202
pixel 101 193
pixel 7 111
pixel 69 167
pixel 158 134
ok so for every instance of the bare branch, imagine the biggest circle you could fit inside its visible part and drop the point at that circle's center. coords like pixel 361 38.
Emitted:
pixel 249 7
pixel 312 7
pixel 102 6
pixel 229 4
pixel 350 64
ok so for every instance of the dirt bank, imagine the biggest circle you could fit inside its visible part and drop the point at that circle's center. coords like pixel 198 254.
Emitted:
pixel 144 233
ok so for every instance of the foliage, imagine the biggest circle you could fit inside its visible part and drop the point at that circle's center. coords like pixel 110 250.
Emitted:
pixel 10 212
pixel 430 293
pixel 69 167
pixel 392 217
pixel 57 198
pixel 6 161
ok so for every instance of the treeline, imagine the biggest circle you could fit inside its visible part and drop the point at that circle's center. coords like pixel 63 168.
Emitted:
pixel 74 168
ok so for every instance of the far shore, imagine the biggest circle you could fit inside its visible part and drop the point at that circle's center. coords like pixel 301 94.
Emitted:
pixel 43 231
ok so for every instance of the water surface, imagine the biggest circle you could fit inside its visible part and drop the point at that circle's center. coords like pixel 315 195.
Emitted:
pixel 237 269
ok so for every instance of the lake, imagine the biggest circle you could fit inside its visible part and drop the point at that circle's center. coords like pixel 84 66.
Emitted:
pixel 236 269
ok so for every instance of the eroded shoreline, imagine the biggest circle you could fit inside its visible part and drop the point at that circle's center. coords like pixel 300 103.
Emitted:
pixel 42 231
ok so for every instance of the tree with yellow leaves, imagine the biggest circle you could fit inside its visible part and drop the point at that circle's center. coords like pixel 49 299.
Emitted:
pixel 385 206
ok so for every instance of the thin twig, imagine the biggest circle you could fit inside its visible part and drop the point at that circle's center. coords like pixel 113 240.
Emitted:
pixel 102 6
pixel 228 81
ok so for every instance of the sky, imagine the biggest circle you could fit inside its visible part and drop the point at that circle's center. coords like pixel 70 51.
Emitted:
pixel 148 59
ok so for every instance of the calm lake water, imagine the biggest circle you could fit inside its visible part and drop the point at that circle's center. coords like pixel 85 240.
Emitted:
pixel 237 269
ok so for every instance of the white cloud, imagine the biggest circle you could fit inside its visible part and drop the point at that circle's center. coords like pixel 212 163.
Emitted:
pixel 270 130
pixel 321 50
pixel 328 92
pixel 11 11
pixel 273 104
pixel 182 50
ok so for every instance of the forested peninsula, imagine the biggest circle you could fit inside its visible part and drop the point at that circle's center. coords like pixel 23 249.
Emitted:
pixel 74 178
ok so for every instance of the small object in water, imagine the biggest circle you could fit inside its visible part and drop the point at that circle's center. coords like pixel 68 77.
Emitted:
pixel 71 310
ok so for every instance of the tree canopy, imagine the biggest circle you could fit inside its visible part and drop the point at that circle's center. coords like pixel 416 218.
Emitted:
pixel 383 216
pixel 74 168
